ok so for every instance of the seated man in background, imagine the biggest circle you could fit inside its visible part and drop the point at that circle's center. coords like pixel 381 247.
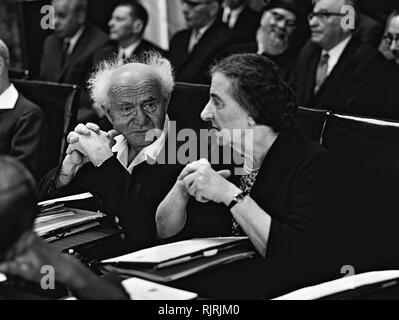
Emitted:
pixel 22 123
pixel 239 17
pixel 124 177
pixel 334 64
pixel 23 255
pixel 277 36
pixel 68 54
pixel 380 95
pixel 126 27
pixel 193 50
pixel 390 43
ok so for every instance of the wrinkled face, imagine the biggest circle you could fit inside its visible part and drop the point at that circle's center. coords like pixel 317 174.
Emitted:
pixel 392 34
pixel 277 28
pixel 223 110
pixel 121 23
pixel 326 23
pixel 66 20
pixel 137 106
pixel 198 13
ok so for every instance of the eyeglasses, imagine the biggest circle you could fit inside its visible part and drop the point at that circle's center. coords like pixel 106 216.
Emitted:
pixel 324 15
pixel 390 38
pixel 193 4
pixel 277 17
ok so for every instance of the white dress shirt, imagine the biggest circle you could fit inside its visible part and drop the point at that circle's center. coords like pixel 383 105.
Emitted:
pixel 150 152
pixel 335 53
pixel 9 98
pixel 128 52
pixel 74 40
pixel 196 36
pixel 230 17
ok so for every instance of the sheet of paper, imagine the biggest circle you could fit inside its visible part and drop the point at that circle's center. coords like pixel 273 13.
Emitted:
pixel 139 289
pixel 173 250
pixel 81 196
pixel 3 277
pixel 340 285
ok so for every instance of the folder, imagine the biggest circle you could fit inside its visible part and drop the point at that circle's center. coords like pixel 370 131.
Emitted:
pixel 170 262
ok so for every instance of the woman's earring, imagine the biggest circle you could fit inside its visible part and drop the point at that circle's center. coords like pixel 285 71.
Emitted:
pixel 251 121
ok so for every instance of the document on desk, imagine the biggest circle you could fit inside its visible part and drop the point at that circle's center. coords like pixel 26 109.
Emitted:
pixel 176 250
pixel 76 197
pixel 68 218
pixel 139 289
pixel 342 284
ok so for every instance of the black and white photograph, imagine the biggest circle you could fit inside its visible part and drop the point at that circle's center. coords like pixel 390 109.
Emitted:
pixel 203 155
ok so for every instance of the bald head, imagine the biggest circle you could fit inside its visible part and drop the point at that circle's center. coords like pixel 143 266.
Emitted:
pixel 70 16
pixel 4 58
pixel 17 201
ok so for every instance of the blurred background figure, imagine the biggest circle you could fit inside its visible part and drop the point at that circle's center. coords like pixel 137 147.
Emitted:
pixel 23 254
pixel 194 50
pixel 335 63
pixel 22 123
pixel 126 27
pixel 68 54
pixel 238 16
pixel 390 43
pixel 280 35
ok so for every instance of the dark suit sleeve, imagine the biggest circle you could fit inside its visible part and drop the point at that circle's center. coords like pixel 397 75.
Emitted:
pixel 27 138
pixel 307 214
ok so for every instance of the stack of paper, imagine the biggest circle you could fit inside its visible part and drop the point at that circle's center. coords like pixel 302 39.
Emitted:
pixel 56 219
pixel 173 261
pixel 382 278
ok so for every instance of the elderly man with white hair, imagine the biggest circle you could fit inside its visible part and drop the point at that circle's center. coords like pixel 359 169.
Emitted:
pixel 22 124
pixel 125 175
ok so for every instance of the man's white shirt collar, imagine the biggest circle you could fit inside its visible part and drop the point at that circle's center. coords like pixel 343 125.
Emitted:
pixel 150 152
pixel 335 54
pixel 129 50
pixel 196 36
pixel 9 98
pixel 234 15
pixel 74 40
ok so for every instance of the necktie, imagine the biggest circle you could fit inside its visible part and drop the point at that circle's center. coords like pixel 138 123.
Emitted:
pixel 195 37
pixel 322 69
pixel 65 49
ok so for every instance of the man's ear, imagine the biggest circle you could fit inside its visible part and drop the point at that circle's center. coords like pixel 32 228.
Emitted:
pixel 138 26
pixel 2 66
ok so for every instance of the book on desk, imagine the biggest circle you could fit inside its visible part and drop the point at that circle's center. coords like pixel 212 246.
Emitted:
pixel 170 262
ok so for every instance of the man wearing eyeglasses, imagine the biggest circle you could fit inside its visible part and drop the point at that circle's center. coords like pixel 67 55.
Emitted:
pixel 280 34
pixel 333 66
pixel 194 49
pixel 390 42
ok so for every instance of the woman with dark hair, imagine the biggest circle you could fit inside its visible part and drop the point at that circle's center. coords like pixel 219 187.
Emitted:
pixel 280 200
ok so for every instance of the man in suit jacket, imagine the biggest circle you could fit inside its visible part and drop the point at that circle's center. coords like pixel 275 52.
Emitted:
pixel 238 16
pixel 127 26
pixel 22 123
pixel 68 54
pixel 126 177
pixel 334 64
pixel 194 50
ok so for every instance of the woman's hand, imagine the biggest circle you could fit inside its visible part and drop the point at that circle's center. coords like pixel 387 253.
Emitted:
pixel 205 184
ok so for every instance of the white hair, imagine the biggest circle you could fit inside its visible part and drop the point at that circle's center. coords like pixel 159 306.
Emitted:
pixel 100 80
pixel 4 53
